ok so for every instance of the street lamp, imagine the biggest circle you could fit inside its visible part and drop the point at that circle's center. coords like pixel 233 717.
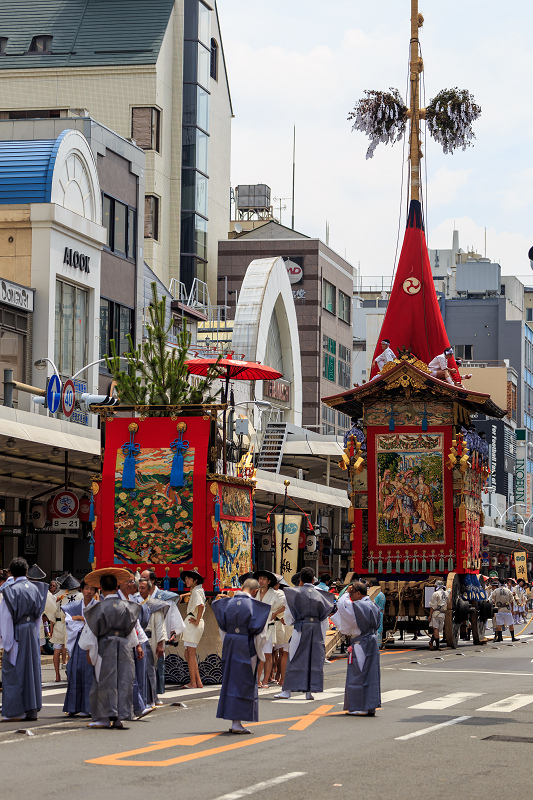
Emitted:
pixel 41 364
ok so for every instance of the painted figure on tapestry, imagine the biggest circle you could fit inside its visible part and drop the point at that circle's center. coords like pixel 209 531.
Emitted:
pixel 410 500
pixel 235 501
pixel 153 522
pixel 235 552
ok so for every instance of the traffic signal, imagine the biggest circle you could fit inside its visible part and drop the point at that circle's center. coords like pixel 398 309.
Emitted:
pixel 87 400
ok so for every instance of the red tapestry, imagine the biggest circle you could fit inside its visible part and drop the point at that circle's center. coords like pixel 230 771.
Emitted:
pixel 153 524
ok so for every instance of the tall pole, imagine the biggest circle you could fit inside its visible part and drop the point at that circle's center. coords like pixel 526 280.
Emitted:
pixel 293 171
pixel 416 68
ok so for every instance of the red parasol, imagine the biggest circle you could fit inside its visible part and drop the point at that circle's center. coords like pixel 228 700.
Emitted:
pixel 232 369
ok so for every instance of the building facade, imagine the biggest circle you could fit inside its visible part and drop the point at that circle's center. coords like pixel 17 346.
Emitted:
pixel 154 73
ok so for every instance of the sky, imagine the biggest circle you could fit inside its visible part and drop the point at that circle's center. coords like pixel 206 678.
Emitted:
pixel 307 62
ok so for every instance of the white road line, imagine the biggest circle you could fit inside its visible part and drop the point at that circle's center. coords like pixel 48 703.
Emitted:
pixel 510 703
pixel 48 692
pixel 448 700
pixel 189 692
pixel 24 738
pixel 257 787
pixel 398 694
pixel 467 671
pixel 299 699
pixel 53 705
pixel 429 730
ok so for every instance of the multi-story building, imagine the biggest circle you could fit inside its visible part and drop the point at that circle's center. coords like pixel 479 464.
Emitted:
pixel 154 73
pixel 322 284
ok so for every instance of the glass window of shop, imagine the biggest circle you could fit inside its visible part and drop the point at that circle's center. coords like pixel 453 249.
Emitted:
pixel 71 313
pixel 13 346
pixel 116 322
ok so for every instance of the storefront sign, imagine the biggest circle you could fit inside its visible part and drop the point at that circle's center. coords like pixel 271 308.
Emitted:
pixel 77 260
pixel 287 537
pixel 520 561
pixel 279 390
pixel 15 295
pixel 294 271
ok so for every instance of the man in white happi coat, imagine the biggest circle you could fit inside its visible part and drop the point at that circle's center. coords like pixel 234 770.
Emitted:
pixel 153 616
pixel 442 365
pixel 276 599
pixel 502 598
pixel 385 356
pixel 437 614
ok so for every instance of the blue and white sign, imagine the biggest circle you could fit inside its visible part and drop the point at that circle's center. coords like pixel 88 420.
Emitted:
pixel 53 393
pixel 79 416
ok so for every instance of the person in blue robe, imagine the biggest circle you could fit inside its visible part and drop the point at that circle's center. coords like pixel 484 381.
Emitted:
pixel 128 590
pixel 308 610
pixel 380 600
pixel 241 621
pixel 359 617
pixel 80 673
pixel 21 610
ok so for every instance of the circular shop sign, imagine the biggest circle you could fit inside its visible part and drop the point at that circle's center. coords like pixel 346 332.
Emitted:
pixel 68 398
pixel 65 504
pixel 412 286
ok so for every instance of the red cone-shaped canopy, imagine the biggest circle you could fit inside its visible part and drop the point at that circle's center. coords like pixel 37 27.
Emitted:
pixel 413 319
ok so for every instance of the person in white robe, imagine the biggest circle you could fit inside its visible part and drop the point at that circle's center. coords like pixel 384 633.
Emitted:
pixel 276 599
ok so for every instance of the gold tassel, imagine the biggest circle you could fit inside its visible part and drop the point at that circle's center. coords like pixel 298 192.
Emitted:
pixel 351 515
pixel 462 512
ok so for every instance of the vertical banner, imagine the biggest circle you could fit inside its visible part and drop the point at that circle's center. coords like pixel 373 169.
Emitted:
pixel 520 565
pixel 529 494
pixel 287 544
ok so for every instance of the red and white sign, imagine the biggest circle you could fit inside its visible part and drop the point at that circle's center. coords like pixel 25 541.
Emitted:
pixel 68 398
pixel 295 271
pixel 65 504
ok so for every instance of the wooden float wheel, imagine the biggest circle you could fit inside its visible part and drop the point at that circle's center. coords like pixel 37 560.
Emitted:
pixel 452 628
pixel 477 626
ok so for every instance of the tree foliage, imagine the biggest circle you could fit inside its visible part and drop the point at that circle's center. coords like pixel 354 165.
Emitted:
pixel 156 373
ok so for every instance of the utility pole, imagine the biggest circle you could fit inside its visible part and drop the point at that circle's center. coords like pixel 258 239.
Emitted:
pixel 293 171
pixel 416 67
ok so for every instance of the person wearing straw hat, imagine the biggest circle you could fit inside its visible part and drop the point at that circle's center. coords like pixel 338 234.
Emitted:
pixel 241 620
pixel 69 593
pixel 276 599
pixel 194 624
pixel 20 612
pixel 109 638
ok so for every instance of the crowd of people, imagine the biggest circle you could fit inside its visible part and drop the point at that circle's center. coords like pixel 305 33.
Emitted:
pixel 114 626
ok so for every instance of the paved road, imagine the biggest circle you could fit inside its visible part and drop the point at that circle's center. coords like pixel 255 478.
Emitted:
pixel 434 733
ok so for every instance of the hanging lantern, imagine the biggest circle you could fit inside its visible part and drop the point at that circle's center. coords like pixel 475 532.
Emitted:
pixel 266 542
pixel 310 543
pixel 494 561
pixel 500 558
pixel 84 508
pixel 50 513
pixel 38 516
pixel 507 561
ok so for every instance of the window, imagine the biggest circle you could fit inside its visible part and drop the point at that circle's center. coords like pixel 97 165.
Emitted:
pixel 529 314
pixel 344 424
pixel 193 235
pixel 116 322
pixel 214 60
pixel 328 296
pixel 328 421
pixel 119 221
pixel 194 192
pixel 145 127
pixel 345 367
pixel 41 44
pixel 330 345
pixel 151 217
pixel 344 307
pixel 464 351
pixel 195 149
pixel 3 44
pixel 328 367
pixel 40 113
pixel 72 309
pixel 13 329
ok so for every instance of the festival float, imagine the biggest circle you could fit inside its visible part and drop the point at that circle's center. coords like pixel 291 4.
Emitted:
pixel 416 467
pixel 163 500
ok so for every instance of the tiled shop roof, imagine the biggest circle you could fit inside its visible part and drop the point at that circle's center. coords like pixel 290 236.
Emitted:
pixel 26 170
pixel 85 32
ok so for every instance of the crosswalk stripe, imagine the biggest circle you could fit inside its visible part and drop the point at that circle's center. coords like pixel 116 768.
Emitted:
pixel 398 694
pixel 509 703
pixel 447 700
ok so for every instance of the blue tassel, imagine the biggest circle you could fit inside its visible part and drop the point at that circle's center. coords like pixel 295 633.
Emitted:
pixel 181 585
pixel 178 447
pixel 91 509
pixel 391 422
pixel 166 582
pixel 425 420
pixel 217 509
pixel 254 516
pixel 91 550
pixel 130 450
pixel 253 550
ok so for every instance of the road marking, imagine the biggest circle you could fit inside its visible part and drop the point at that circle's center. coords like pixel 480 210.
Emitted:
pixel 398 694
pixel 316 696
pixel 257 787
pixel 448 700
pixel 308 720
pixel 189 692
pixel 48 692
pixel 23 738
pixel 468 671
pixel 430 730
pixel 510 703
pixel 117 759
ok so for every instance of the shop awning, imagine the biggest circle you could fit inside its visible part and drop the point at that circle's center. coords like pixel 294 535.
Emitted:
pixel 46 431
pixel 502 536
pixel 304 490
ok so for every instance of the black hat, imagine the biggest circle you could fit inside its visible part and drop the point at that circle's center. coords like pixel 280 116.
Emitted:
pixel 69 582
pixel 281 580
pixel 295 579
pixel 35 573
pixel 272 578
pixel 192 573
pixel 243 578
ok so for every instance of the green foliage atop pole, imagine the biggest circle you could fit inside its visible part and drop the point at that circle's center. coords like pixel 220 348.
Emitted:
pixel 156 372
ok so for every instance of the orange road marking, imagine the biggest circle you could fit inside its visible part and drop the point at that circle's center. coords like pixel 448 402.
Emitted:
pixel 308 720
pixel 118 758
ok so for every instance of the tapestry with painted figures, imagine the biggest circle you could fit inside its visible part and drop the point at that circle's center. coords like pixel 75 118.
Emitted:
pixel 235 552
pixel 236 501
pixel 153 522
pixel 406 412
pixel 410 501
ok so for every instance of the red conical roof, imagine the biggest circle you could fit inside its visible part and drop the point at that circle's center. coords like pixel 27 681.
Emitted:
pixel 413 319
